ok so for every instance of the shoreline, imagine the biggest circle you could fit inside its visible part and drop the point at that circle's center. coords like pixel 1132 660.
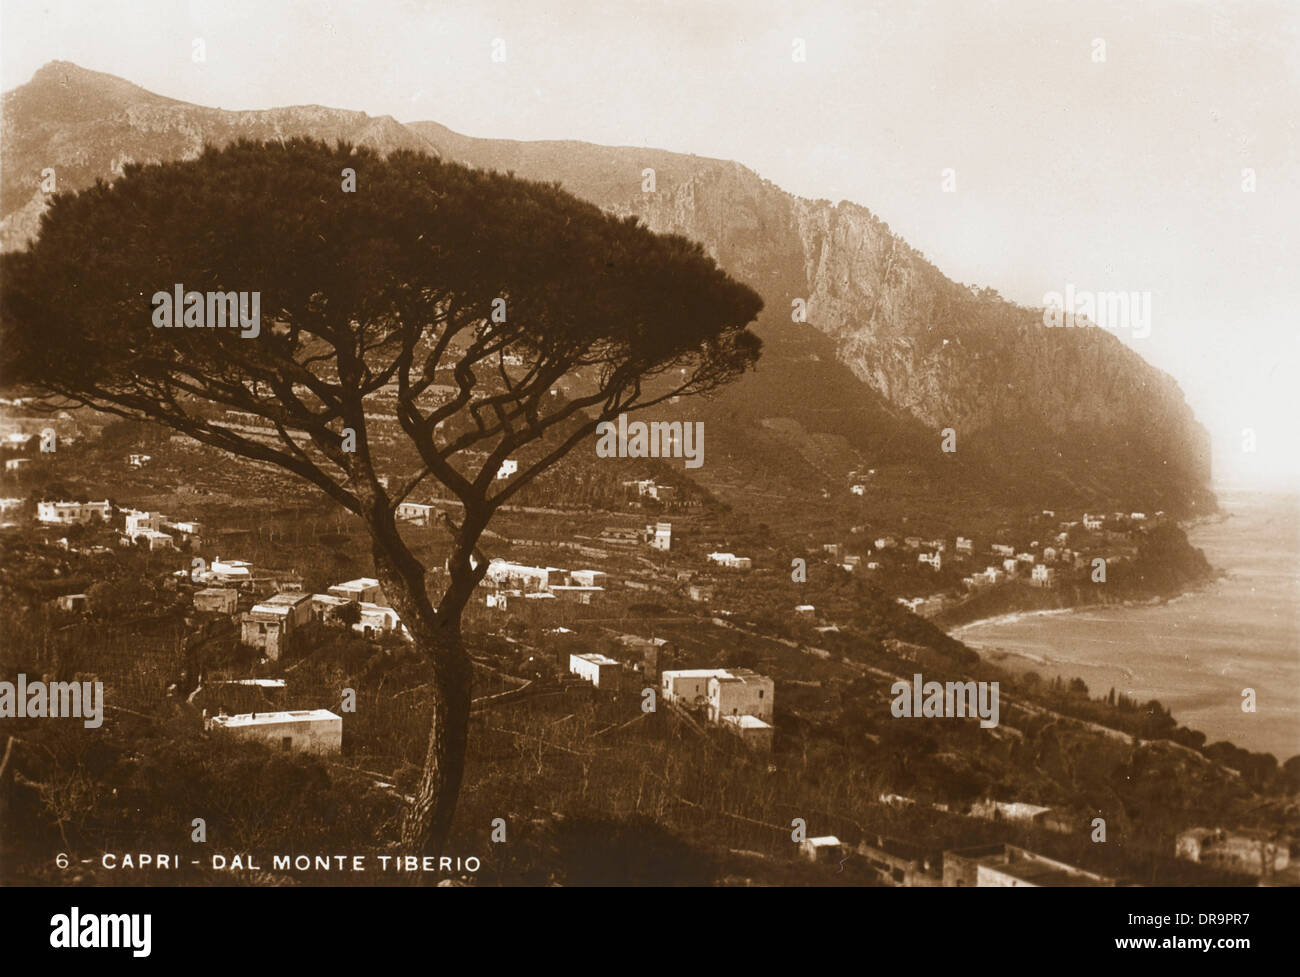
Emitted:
pixel 1015 617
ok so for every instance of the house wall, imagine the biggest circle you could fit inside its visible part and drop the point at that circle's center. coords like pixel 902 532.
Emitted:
pixel 320 736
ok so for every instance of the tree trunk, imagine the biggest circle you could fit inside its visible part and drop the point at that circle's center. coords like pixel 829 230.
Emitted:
pixel 428 820
pixel 436 635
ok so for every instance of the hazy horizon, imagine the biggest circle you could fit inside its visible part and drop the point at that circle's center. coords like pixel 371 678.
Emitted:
pixel 1124 174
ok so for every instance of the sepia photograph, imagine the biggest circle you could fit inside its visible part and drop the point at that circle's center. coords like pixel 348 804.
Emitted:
pixel 691 443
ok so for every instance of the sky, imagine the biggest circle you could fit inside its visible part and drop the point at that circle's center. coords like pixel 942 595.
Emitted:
pixel 1025 145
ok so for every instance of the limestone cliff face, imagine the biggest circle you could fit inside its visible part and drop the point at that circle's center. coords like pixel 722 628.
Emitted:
pixel 1014 388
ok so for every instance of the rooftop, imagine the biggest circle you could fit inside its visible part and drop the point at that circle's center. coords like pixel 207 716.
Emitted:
pixel 288 599
pixel 747 722
pixel 598 659
pixel 272 718
pixel 1029 867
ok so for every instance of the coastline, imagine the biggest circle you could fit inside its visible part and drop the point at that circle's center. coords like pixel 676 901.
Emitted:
pixel 1193 651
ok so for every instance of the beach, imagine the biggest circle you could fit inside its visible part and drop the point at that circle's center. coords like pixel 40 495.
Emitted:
pixel 1195 653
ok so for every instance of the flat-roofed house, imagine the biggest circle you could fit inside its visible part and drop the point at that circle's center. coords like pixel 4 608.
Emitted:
pixel 414 511
pixel 660 535
pixel 518 576
pixel 600 670
pixel 753 732
pixel 73 512
pixel 154 539
pixel 826 848
pixel 268 623
pixel 302 730
pixel 376 620
pixel 297 606
pixel 361 590
pixel 589 578
pixel 1009 866
pixel 263 628
pixel 72 602
pixel 901 863
pixel 136 521
pixel 216 600
pixel 739 692
pixel 325 606
pixel 1248 851
pixel 700 592
pixel 688 686
pixel 237 572
pixel 731 561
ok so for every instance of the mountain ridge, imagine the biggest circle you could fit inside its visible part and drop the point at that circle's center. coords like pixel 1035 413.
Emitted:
pixel 1056 416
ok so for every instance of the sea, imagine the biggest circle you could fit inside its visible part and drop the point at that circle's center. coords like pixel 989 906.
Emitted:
pixel 1197 652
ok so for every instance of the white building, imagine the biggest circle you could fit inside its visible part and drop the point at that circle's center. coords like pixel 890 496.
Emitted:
pixel 227 571
pixel 416 511
pixel 518 576
pixel 186 527
pixel 644 487
pixel 689 686
pixel 934 559
pixel 753 732
pixel 303 730
pixel 731 561
pixel 376 620
pixel 137 521
pixel 325 606
pixel 362 589
pixel 827 848
pixel 294 607
pixel 600 670
pixel 739 692
pixel 73 512
pixel 965 545
pixel 154 539
pixel 589 578
pixel 660 535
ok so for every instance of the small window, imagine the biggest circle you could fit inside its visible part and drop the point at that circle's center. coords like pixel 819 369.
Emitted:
pixel 760 693
pixel 286 743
